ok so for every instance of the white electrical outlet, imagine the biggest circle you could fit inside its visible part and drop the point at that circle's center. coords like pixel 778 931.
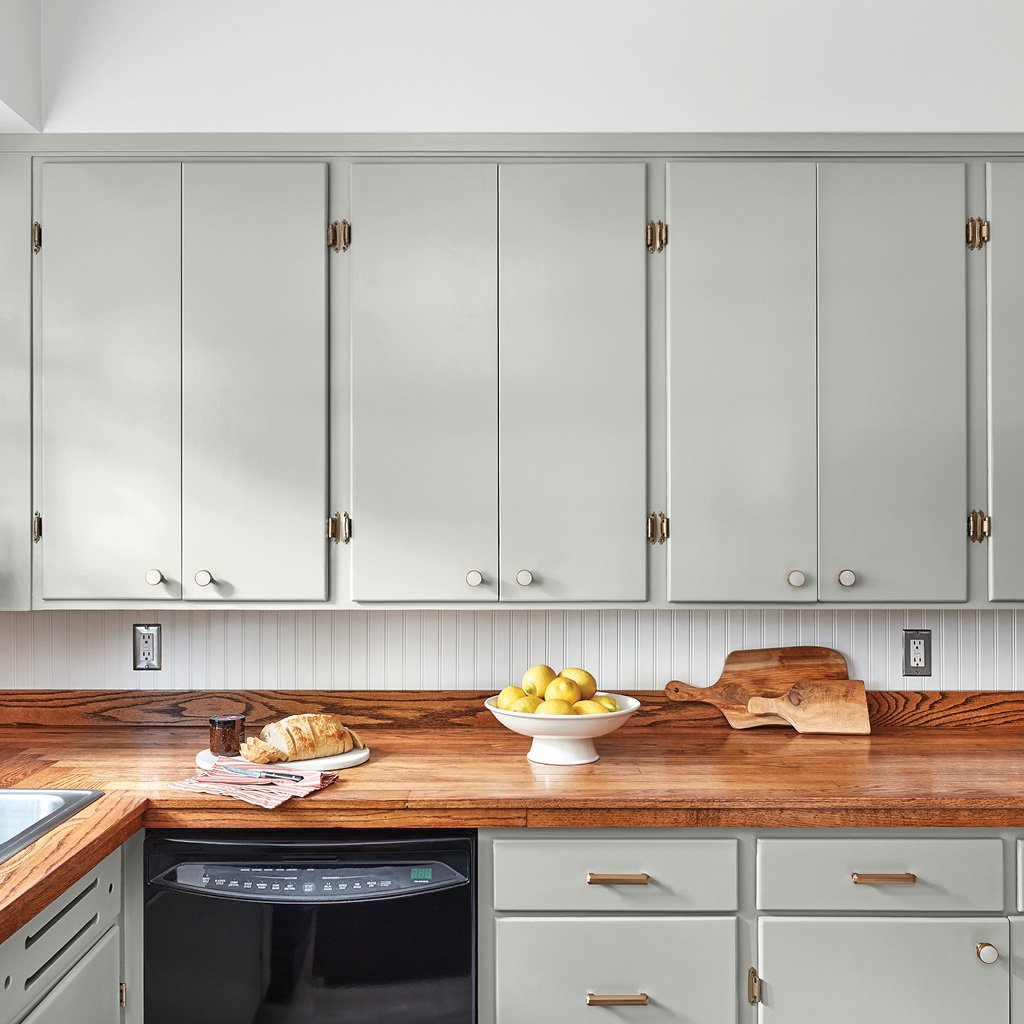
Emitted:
pixel 146 647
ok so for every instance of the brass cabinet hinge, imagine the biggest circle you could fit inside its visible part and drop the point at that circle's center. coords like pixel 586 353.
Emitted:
pixel 339 528
pixel 339 235
pixel 657 528
pixel 37 236
pixel 978 233
pixel 657 235
pixel 753 987
pixel 979 526
pixel 37 527
pixel 122 995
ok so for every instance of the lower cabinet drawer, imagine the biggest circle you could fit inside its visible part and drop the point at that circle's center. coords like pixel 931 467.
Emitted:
pixel 884 970
pixel 601 874
pixel 548 967
pixel 893 875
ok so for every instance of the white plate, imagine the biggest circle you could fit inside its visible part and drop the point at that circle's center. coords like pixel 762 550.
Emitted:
pixel 206 758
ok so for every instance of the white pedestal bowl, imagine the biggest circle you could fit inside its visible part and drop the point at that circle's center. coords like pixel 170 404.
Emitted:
pixel 565 739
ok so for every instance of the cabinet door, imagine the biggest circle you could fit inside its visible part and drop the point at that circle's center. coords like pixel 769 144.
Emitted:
pixel 424 382
pixel 892 399
pixel 741 356
pixel 89 993
pixel 885 970
pixel 572 381
pixel 1005 376
pixel 15 382
pixel 547 966
pixel 109 350
pixel 254 381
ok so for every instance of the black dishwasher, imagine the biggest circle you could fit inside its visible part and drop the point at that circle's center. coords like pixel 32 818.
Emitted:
pixel 335 926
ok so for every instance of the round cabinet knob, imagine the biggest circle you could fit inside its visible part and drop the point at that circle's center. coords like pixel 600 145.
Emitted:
pixel 154 577
pixel 204 577
pixel 847 577
pixel 796 578
pixel 987 953
pixel 524 577
pixel 474 578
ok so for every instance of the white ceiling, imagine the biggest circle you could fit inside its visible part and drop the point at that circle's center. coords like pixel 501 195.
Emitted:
pixel 529 65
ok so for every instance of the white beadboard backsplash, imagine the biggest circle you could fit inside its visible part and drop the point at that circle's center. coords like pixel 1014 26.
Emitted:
pixel 432 650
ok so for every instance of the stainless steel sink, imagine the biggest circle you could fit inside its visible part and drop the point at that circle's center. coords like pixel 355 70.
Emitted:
pixel 27 814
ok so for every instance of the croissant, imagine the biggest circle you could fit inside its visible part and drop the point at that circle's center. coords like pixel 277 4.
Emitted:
pixel 300 738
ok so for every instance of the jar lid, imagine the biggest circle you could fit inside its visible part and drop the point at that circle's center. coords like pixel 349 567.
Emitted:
pixel 228 721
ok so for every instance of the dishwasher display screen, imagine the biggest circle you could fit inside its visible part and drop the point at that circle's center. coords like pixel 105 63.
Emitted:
pixel 305 883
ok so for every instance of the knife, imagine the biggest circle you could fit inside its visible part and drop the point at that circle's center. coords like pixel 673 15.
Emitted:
pixel 258 774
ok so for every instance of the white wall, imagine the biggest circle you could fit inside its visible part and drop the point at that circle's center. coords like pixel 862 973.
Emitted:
pixel 430 650
pixel 20 74
pixel 532 65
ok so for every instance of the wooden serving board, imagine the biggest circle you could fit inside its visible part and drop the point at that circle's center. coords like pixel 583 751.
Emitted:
pixel 833 706
pixel 764 672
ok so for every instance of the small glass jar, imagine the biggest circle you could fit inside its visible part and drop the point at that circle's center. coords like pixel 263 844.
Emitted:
pixel 226 734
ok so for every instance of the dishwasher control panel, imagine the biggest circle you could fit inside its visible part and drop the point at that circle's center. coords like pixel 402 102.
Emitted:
pixel 316 883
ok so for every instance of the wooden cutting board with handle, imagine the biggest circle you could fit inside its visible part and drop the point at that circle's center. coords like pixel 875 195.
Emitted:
pixel 823 707
pixel 763 672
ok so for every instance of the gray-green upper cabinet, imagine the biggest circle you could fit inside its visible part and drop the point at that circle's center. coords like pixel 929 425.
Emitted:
pixel 254 381
pixel 572 424
pixel 15 381
pixel 1005 377
pixel 741 373
pixel 424 368
pixel 181 332
pixel 108 399
pixel 892 399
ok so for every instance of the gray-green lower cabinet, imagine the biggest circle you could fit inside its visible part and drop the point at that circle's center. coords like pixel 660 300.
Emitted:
pixel 577 970
pixel 884 970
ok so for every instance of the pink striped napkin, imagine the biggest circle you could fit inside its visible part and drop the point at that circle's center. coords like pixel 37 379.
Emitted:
pixel 261 792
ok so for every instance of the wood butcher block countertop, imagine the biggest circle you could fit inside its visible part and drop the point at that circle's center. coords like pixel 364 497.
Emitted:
pixel 934 760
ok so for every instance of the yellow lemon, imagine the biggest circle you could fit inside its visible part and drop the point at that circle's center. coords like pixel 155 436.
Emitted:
pixel 561 688
pixel 609 702
pixel 508 697
pixel 536 679
pixel 583 679
pixel 589 707
pixel 527 705
pixel 554 707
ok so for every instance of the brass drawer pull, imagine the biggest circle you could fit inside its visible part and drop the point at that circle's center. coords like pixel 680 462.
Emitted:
pixel 640 999
pixel 596 878
pixel 859 878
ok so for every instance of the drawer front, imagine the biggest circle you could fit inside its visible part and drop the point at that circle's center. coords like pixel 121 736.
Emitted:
pixel 546 967
pixel 857 970
pixel 817 874
pixel 551 874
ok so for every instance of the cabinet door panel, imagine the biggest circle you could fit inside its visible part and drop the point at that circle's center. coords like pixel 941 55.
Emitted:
pixel 886 970
pixel 1005 375
pixel 424 382
pixel 109 341
pixel 546 966
pixel 254 371
pixel 88 995
pixel 742 402
pixel 572 381
pixel 892 393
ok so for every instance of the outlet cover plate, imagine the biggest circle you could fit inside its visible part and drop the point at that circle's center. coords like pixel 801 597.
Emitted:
pixel 147 653
pixel 917 652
